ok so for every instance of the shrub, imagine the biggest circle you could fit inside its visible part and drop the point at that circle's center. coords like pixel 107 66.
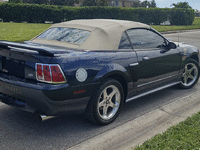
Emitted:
pixel 30 13
pixel 180 16
pixel 34 13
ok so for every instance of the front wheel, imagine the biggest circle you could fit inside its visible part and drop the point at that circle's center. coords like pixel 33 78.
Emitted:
pixel 190 74
pixel 105 104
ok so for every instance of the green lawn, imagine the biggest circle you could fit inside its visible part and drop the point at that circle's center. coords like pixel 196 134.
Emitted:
pixel 185 135
pixel 195 25
pixel 19 32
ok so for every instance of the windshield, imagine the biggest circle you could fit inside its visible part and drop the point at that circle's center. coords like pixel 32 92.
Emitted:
pixel 71 35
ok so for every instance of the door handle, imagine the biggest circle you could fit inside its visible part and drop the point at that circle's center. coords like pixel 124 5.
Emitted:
pixel 145 58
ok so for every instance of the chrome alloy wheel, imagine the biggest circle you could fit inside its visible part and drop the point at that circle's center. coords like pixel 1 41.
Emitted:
pixel 190 74
pixel 109 102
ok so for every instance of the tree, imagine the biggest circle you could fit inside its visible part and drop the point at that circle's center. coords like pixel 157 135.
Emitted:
pixel 71 2
pixel 136 4
pixel 144 4
pixel 63 2
pixel 197 11
pixel 182 5
pixel 36 1
pixel 152 4
pixel 102 2
pixel 15 1
pixel 89 3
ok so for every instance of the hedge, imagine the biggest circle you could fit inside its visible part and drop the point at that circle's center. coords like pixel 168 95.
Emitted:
pixel 34 13
pixel 30 13
pixel 182 16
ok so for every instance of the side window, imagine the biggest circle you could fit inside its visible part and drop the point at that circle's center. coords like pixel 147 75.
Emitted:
pixel 145 39
pixel 124 42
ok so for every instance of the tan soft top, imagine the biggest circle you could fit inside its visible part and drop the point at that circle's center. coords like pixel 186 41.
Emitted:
pixel 105 33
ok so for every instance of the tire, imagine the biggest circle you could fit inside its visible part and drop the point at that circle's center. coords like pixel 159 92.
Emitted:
pixel 105 105
pixel 190 75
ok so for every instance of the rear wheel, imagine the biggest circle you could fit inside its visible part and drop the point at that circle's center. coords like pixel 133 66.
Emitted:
pixel 190 75
pixel 106 103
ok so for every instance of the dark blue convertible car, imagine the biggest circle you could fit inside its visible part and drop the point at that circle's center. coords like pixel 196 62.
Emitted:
pixel 92 67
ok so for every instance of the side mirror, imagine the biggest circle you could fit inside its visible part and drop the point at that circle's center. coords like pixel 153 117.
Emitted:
pixel 172 45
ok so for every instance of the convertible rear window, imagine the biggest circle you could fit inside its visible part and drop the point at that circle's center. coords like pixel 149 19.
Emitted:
pixel 71 35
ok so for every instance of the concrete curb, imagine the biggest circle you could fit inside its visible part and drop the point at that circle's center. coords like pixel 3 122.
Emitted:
pixel 179 31
pixel 137 131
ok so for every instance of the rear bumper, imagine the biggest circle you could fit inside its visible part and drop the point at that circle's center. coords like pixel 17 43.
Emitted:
pixel 45 98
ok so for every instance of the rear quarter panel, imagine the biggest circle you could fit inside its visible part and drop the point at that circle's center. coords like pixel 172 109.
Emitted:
pixel 98 65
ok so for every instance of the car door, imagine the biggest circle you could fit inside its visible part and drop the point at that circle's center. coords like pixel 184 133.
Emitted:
pixel 125 45
pixel 157 65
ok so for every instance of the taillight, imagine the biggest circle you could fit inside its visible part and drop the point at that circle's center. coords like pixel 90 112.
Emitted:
pixel 39 72
pixel 57 75
pixel 49 73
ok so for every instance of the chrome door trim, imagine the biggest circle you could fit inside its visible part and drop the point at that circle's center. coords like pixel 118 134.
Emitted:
pixel 157 80
pixel 151 91
pixel 134 64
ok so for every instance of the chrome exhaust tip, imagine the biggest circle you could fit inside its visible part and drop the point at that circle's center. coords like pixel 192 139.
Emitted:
pixel 40 116
pixel 45 117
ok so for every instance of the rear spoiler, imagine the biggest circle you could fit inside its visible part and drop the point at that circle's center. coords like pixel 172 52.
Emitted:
pixel 26 48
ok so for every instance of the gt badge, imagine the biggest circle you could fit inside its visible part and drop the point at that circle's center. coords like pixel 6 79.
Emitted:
pixel 81 74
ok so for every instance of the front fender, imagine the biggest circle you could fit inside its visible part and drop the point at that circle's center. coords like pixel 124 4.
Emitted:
pixel 112 69
pixel 190 53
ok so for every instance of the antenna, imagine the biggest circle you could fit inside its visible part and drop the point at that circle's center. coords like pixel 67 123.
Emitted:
pixel 178 39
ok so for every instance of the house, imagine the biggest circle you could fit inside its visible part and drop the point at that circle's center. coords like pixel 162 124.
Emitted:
pixel 115 3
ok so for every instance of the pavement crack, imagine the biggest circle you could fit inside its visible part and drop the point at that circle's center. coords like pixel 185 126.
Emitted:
pixel 168 112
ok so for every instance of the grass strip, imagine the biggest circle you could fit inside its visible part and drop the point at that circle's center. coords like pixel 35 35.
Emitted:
pixel 162 28
pixel 185 135
pixel 18 32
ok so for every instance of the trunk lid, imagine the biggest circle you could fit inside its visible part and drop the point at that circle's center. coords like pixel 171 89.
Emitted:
pixel 17 60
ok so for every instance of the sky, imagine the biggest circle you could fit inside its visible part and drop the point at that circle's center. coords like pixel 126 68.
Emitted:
pixel 195 4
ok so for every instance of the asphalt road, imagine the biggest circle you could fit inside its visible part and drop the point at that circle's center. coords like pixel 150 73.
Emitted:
pixel 21 130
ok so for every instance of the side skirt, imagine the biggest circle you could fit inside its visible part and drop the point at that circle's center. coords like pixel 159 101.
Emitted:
pixel 152 91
